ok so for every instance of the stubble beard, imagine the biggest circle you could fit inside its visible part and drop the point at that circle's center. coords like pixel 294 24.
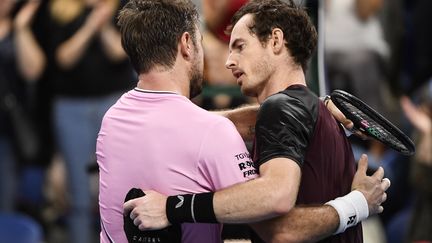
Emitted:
pixel 196 81
pixel 259 74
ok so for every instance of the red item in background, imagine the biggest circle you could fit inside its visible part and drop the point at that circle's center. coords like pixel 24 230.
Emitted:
pixel 233 6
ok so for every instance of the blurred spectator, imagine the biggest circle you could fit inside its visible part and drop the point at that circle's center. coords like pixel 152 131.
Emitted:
pixel 21 59
pixel 355 49
pixel 217 16
pixel 421 172
pixel 220 90
pixel 90 72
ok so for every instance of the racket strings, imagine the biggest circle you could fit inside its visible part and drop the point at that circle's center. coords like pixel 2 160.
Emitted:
pixel 367 123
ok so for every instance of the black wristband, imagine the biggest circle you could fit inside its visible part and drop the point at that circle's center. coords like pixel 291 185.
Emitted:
pixel 191 208
pixel 203 208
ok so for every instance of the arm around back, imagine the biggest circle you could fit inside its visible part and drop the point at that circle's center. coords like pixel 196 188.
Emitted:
pixel 312 223
pixel 301 224
pixel 244 119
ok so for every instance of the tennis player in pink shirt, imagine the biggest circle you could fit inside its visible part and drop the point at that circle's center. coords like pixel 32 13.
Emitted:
pixel 161 140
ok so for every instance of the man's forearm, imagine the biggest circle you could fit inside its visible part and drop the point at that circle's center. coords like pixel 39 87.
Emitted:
pixel 261 198
pixel 244 119
pixel 312 223
pixel 256 200
pixel 301 224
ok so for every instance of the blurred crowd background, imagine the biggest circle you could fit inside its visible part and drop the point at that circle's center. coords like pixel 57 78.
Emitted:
pixel 62 66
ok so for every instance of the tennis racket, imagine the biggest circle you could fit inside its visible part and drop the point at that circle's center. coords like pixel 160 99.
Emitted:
pixel 371 123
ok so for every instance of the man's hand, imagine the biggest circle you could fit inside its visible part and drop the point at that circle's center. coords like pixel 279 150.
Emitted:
pixel 340 117
pixel 148 212
pixel 373 187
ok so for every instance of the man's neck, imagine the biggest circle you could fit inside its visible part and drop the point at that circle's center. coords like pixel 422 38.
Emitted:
pixel 165 80
pixel 281 79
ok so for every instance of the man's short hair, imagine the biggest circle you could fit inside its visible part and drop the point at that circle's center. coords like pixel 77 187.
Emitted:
pixel 150 31
pixel 299 32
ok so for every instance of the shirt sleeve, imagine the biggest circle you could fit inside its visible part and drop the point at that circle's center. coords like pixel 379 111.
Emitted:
pixel 283 129
pixel 224 159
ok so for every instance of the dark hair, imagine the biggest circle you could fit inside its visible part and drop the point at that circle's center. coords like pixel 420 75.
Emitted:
pixel 299 31
pixel 150 30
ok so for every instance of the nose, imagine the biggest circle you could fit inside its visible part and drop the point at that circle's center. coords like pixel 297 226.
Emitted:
pixel 230 64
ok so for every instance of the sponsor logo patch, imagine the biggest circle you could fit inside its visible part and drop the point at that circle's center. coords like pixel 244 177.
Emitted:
pixel 247 166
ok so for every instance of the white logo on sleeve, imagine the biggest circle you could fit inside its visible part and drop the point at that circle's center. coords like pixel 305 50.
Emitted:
pixel 179 204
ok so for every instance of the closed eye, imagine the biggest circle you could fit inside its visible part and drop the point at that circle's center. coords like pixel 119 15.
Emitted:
pixel 238 45
pixel 242 47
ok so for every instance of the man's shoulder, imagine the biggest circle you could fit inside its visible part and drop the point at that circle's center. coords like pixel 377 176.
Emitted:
pixel 198 117
pixel 296 97
pixel 296 104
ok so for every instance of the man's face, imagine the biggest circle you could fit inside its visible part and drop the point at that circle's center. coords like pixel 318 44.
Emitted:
pixel 197 70
pixel 248 60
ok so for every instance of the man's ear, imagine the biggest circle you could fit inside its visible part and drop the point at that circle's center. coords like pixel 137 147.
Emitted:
pixel 277 40
pixel 186 45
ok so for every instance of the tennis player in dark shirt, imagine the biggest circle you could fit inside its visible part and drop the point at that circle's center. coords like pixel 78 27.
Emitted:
pixel 301 152
pixel 295 124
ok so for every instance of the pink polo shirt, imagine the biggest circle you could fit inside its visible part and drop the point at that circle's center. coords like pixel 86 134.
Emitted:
pixel 162 141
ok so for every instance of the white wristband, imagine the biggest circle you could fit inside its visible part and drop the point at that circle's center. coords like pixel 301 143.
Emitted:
pixel 351 208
